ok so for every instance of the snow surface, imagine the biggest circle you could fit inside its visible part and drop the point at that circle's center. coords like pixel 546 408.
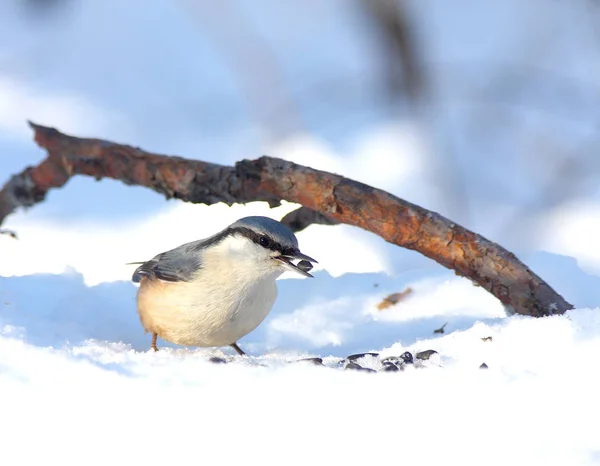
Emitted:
pixel 78 384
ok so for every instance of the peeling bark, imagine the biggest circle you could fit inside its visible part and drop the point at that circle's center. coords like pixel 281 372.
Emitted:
pixel 331 197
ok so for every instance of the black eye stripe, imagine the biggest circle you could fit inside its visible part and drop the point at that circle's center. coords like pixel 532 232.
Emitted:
pixel 248 233
pixel 256 238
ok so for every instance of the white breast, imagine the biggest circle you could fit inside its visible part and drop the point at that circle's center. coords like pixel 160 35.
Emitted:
pixel 228 299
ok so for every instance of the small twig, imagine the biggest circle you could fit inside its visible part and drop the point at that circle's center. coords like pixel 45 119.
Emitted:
pixel 441 329
pixel 393 298
pixel 10 233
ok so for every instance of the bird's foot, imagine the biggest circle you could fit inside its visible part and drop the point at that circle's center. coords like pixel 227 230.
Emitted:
pixel 237 349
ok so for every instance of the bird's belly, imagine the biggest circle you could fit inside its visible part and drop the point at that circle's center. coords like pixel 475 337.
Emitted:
pixel 191 315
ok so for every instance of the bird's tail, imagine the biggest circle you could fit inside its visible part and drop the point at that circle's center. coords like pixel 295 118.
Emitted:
pixel 137 276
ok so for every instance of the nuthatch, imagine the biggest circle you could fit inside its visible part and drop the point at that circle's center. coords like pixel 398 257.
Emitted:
pixel 214 291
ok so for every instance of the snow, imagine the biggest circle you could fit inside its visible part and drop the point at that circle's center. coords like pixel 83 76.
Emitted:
pixel 574 226
pixel 78 379
pixel 103 399
pixel 509 112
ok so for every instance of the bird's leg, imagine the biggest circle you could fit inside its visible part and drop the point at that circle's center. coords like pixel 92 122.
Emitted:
pixel 238 349
pixel 153 345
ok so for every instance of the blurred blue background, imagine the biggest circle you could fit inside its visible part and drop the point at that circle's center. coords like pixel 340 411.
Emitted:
pixel 486 112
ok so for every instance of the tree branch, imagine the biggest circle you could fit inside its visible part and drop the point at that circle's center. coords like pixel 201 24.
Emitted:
pixel 270 179
pixel 297 220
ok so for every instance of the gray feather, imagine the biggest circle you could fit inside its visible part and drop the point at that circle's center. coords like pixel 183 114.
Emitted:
pixel 176 265
pixel 181 263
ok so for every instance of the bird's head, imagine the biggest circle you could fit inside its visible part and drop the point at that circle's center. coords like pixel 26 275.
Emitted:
pixel 266 245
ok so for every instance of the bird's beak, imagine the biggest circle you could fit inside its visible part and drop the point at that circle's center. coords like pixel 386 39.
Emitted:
pixel 302 267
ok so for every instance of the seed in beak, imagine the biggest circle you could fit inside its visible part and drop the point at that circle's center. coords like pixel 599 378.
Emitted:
pixel 304 265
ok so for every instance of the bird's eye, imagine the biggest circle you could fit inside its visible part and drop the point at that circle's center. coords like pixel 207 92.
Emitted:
pixel 264 241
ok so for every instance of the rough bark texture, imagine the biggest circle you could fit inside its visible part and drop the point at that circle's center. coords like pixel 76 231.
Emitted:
pixel 333 198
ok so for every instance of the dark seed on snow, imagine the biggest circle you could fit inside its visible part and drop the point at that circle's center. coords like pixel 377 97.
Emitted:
pixel 389 367
pixel 425 355
pixel 355 367
pixel 407 357
pixel 315 361
pixel 483 366
pixel 392 360
pixel 217 360
pixel 354 357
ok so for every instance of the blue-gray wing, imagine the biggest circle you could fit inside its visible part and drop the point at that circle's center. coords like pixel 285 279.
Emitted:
pixel 176 265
